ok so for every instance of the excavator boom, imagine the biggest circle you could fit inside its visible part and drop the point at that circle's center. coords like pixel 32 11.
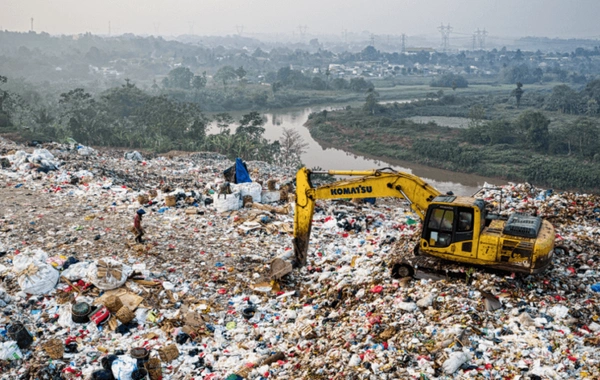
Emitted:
pixel 371 184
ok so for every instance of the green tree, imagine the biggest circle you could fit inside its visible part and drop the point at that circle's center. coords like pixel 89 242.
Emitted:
pixel 224 121
pixel 180 77
pixel 476 115
pixel 533 128
pixel 199 81
pixel 450 80
pixel 583 135
pixel 563 99
pixel 360 85
pixel 225 74
pixel 518 93
pixel 592 107
pixel 251 125
pixel 371 102
pixel 240 72
pixel 4 116
pixel 79 115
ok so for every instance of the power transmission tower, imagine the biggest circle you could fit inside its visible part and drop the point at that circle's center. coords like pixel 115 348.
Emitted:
pixel 445 30
pixel 32 24
pixel 345 35
pixel 109 28
pixel 482 35
pixel 372 40
pixel 302 30
pixel 403 43
pixel 240 29
pixel 156 26
pixel 475 37
pixel 191 24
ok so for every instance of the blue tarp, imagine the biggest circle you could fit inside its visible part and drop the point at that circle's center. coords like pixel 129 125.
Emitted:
pixel 241 174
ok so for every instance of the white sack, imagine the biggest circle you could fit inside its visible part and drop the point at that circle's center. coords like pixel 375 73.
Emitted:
pixel 34 275
pixel 115 276
pixel 227 202
pixel 253 189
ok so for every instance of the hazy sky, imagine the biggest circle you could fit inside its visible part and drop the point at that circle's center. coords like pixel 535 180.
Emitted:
pixel 552 18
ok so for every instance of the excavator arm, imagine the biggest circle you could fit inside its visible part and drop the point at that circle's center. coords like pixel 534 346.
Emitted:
pixel 371 184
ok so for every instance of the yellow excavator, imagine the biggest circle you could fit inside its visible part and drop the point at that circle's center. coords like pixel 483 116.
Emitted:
pixel 454 228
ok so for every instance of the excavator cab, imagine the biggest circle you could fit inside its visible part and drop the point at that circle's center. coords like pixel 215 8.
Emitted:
pixel 451 227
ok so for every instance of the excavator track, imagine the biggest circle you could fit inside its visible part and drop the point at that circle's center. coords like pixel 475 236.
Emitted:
pixel 427 267
pixel 408 264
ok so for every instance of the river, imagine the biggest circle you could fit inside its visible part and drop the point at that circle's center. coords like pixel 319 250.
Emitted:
pixel 331 158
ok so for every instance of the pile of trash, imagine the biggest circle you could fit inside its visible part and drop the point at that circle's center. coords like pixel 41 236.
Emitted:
pixel 80 299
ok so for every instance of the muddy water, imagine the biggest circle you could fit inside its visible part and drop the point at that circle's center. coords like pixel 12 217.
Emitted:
pixel 331 158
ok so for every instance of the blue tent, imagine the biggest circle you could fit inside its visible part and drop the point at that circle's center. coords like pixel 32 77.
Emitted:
pixel 241 173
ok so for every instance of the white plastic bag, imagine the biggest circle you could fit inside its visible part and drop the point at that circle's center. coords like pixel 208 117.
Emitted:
pixel 227 202
pixel 65 318
pixel 43 154
pixel 76 271
pixel 10 351
pixel 108 273
pixel 454 362
pixel 85 150
pixel 34 275
pixel 253 189
pixel 134 156
pixel 123 367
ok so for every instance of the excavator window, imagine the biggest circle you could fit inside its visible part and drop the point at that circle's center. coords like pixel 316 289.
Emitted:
pixel 465 221
pixel 439 227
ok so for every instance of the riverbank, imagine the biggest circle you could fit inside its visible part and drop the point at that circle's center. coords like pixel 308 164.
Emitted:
pixel 386 137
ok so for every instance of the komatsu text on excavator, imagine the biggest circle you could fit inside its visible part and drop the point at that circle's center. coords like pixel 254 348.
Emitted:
pixel 455 228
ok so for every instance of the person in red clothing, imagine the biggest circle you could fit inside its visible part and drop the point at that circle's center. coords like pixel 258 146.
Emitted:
pixel 137 226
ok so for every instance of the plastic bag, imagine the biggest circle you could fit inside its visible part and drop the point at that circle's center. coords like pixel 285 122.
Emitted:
pixel 249 188
pixel 76 271
pixel 85 150
pixel 43 154
pixel 123 367
pixel 10 351
pixel 134 156
pixel 227 202
pixel 108 273
pixel 454 362
pixel 34 275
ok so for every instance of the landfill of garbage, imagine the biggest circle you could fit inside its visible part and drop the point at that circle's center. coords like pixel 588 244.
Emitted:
pixel 197 299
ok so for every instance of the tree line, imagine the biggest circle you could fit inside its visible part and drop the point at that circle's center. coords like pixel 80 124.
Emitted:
pixel 127 116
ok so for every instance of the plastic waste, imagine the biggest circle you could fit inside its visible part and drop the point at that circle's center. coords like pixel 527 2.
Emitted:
pixel 227 202
pixel 10 351
pixel 123 367
pixel 134 156
pixel 108 273
pixel 454 361
pixel 253 189
pixel 34 275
